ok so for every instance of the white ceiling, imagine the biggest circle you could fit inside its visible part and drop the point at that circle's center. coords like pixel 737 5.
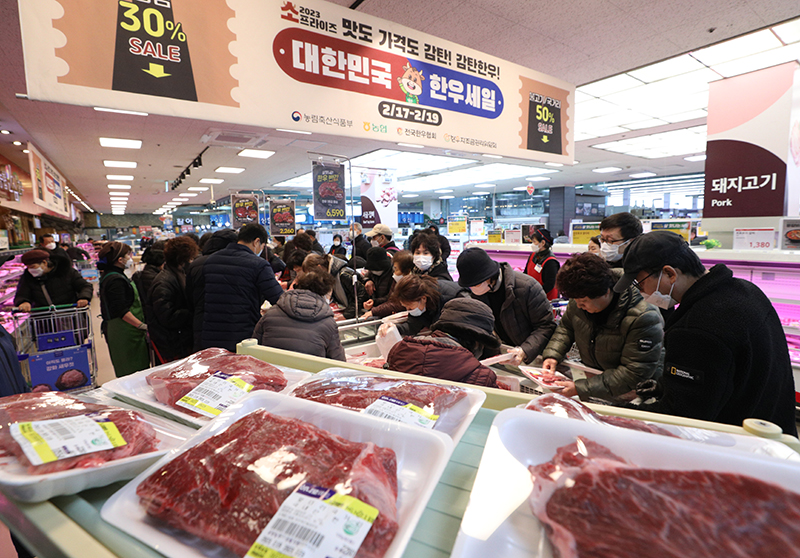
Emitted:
pixel 578 41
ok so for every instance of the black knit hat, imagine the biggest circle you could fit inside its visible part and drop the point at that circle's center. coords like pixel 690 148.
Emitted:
pixel 378 259
pixel 467 318
pixel 543 234
pixel 475 266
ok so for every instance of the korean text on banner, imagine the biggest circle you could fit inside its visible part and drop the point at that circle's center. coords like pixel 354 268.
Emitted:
pixel 457 226
pixel 583 232
pixel 244 209
pixel 318 66
pixel 329 193
pixel 281 217
pixel 48 184
pixel 378 199
pixel 682 228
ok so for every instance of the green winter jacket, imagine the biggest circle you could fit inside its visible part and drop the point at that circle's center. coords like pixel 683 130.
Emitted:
pixel 627 347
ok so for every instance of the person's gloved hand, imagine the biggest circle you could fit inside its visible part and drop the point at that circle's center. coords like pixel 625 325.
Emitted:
pixel 519 356
pixel 83 303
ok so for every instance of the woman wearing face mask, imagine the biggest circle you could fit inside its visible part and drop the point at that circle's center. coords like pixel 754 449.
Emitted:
pixel 402 265
pixel 423 297
pixel 618 333
pixel 302 319
pixel 123 317
pixel 542 265
pixel 338 249
pixel 427 256
pixel 379 282
pixel 523 316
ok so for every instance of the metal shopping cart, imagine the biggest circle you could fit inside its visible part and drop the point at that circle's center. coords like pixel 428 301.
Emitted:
pixel 55 346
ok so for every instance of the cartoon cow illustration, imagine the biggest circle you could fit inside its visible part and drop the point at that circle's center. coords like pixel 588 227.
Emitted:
pixel 411 83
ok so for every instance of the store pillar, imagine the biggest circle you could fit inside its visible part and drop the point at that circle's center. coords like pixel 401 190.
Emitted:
pixel 562 208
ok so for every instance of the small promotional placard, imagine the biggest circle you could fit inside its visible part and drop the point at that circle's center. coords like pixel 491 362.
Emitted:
pixel 514 236
pixel 329 196
pixel 495 237
pixel 281 217
pixel 583 232
pixel 315 522
pixel 45 441
pixel 790 234
pixel 401 411
pixel 244 209
pixel 457 226
pixel 754 239
pixel 215 394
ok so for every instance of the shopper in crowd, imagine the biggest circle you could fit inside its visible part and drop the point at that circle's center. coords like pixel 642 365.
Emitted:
pixel 75 253
pixel 523 316
pixel 293 269
pixel 280 245
pixel 444 244
pixel 427 256
pixel 123 316
pixel 237 282
pixel 423 297
pixel 336 268
pixel 168 311
pixel 616 233
pixel 594 246
pixel 542 264
pixel 275 262
pixel 203 240
pixel 337 249
pixel 194 237
pixel 726 356
pixel 379 280
pixel 353 285
pixel 47 242
pixel 562 238
pixel 196 285
pixel 618 333
pixel 50 281
pixel 402 265
pixel 315 245
pixel 360 243
pixel 452 349
pixel 302 319
pixel 300 241
pixel 153 260
pixel 381 235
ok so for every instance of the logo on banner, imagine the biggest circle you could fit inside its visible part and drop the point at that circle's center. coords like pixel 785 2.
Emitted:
pixel 296 116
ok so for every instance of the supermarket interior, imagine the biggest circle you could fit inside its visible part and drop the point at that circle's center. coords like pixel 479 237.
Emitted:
pixel 268 214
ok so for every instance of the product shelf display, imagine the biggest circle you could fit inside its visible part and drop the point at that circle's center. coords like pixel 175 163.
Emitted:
pixel 10 273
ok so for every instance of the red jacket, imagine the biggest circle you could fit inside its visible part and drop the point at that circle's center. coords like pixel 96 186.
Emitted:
pixel 439 356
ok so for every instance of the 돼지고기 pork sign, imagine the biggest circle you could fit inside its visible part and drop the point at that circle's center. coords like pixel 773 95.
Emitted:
pixel 319 67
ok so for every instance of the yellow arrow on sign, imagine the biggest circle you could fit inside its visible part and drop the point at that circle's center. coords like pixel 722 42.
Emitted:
pixel 156 70
pixel 544 139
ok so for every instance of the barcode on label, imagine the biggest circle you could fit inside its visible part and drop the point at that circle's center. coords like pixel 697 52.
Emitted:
pixel 208 393
pixel 380 414
pixel 298 531
pixel 62 432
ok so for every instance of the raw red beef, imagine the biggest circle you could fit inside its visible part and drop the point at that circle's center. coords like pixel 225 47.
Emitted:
pixel 170 383
pixel 359 391
pixel 139 435
pixel 555 404
pixel 227 488
pixel 594 503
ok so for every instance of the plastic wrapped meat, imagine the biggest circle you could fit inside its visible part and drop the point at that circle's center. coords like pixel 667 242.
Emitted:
pixel 227 488
pixel 170 382
pixel 594 503
pixel 139 435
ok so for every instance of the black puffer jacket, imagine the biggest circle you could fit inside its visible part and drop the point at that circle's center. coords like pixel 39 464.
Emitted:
pixel 64 284
pixel 303 322
pixel 360 246
pixel 169 317
pixel 448 290
pixel 144 280
pixel 237 282
pixel 525 316
pixel 383 286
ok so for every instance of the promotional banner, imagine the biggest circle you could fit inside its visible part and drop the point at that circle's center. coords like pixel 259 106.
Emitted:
pixel 682 228
pixel 378 199
pixel 329 193
pixel 320 67
pixel 48 184
pixel 581 233
pixel 281 217
pixel 244 209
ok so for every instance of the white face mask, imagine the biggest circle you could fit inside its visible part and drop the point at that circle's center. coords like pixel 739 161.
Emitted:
pixel 374 242
pixel 611 252
pixel 336 242
pixel 481 288
pixel 657 298
pixel 416 312
pixel 36 271
pixel 397 277
pixel 50 246
pixel 423 262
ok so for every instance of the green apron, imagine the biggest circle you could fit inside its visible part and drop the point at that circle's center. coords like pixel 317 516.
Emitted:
pixel 127 344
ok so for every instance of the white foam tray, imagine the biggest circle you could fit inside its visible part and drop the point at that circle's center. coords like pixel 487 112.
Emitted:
pixel 17 483
pixel 135 390
pixel 498 520
pixel 421 458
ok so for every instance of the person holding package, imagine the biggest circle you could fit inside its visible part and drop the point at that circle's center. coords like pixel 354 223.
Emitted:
pixel 379 283
pixel 50 281
pixel 523 316
pixel 618 333
pixel 402 265
pixel 726 358
pixel 542 264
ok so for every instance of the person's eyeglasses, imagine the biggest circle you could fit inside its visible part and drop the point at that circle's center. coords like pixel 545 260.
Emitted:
pixel 638 283
pixel 612 241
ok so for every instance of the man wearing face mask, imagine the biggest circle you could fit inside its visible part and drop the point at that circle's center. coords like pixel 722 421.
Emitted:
pixel 49 281
pixel 379 283
pixel 726 355
pixel 425 248
pixel 48 242
pixel 381 235
pixel 523 316
pixel 616 233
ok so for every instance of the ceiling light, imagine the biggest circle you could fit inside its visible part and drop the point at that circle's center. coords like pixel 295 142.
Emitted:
pixel 6 132
pixel 229 170
pixel 119 177
pixel 121 143
pixel 758 61
pixel 443 191
pixel 177 200
pixel 537 178
pixel 119 194
pixel 414 145
pixel 410 195
pixel 26 151
pixel 120 164
pixel 187 195
pixel 16 142
pixel 642 174
pixel 667 69
pixel 554 164
pixel 211 181
pixel 256 153
pixel 490 156
pixel 292 131
pixel 481 193
pixel 119 186
pixel 521 188
pixel 604 170
pixel 446 197
pixel 737 48
pixel 118 111
pixel 788 32
pixel 198 189
pixel 695 158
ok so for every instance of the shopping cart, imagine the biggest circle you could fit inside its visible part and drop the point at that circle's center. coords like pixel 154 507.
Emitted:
pixel 88 270
pixel 55 347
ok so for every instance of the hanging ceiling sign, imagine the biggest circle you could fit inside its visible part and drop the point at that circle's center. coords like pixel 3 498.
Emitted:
pixel 48 184
pixel 320 67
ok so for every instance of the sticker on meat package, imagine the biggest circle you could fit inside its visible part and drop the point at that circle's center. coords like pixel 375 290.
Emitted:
pixel 401 411
pixel 215 394
pixel 315 522
pixel 50 440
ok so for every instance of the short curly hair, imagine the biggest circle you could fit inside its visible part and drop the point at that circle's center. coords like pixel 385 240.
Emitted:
pixel 429 241
pixel 180 251
pixel 585 275
pixel 319 282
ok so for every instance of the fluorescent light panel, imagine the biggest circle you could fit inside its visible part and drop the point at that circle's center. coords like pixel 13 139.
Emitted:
pixel 788 32
pixel 119 186
pixel 120 164
pixel 119 177
pixel 256 153
pixel 229 170
pixel 211 181
pixel 737 48
pixel 198 189
pixel 121 143
pixel 119 111
pixel 604 170
pixel 293 131
pixel 414 145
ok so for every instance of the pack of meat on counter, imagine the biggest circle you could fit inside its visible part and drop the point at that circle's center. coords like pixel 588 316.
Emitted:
pixel 172 381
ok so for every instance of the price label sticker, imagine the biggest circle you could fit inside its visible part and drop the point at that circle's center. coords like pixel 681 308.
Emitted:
pixel 315 522
pixel 754 239
pixel 401 411
pixel 45 441
pixel 215 394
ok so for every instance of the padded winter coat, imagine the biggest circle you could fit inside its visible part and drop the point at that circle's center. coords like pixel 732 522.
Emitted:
pixel 64 285
pixel 627 347
pixel 303 322
pixel 169 318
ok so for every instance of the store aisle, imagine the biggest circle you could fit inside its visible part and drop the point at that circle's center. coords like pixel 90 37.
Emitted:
pixel 105 370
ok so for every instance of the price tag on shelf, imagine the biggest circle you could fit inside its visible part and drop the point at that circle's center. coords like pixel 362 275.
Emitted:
pixel 215 394
pixel 44 441
pixel 754 239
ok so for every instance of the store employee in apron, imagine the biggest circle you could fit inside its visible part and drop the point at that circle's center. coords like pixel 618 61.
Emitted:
pixel 121 308
pixel 542 264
